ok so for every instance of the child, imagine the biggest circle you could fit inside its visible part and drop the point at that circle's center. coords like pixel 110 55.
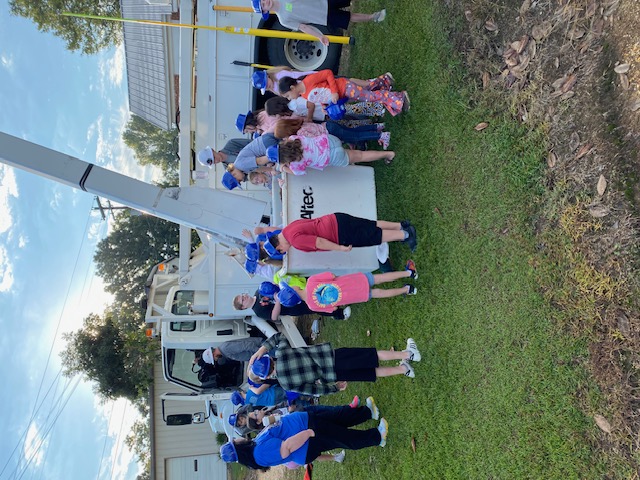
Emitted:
pixel 285 128
pixel 325 292
pixel 268 79
pixel 324 88
pixel 258 122
pixel 233 177
pixel 298 153
pixel 298 14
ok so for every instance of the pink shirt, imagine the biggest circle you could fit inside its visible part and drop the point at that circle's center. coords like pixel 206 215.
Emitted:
pixel 325 292
pixel 315 153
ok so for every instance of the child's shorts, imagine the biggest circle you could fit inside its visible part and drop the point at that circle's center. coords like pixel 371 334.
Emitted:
pixel 337 155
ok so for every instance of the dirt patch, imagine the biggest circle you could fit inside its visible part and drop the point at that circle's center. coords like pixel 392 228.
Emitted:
pixel 571 69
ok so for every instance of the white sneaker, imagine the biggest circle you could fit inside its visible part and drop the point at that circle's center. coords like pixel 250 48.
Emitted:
pixel 383 428
pixel 412 348
pixel 347 312
pixel 375 413
pixel 410 371
pixel 339 457
pixel 380 16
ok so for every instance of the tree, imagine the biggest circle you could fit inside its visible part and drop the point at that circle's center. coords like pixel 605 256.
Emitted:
pixel 139 441
pixel 118 362
pixel 86 35
pixel 124 258
pixel 153 146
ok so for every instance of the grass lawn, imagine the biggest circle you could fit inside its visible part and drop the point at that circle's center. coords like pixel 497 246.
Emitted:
pixel 496 391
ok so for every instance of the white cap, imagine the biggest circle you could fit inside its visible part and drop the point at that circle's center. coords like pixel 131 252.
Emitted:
pixel 206 158
pixel 207 356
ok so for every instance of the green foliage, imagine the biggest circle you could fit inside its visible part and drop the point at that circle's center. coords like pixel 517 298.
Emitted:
pixel 88 36
pixel 117 361
pixel 153 146
pixel 139 441
pixel 123 259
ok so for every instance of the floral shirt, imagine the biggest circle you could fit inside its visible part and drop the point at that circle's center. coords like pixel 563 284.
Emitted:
pixel 315 154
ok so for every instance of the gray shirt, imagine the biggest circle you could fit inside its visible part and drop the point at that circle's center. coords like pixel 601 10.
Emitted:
pixel 246 159
pixel 233 148
pixel 240 350
pixel 292 13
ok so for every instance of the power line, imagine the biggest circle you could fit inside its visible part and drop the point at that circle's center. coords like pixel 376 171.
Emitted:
pixel 115 455
pixel 104 447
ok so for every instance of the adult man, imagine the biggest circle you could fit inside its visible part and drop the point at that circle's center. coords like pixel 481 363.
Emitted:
pixel 240 350
pixel 209 157
pixel 271 309
pixel 319 369
pixel 340 232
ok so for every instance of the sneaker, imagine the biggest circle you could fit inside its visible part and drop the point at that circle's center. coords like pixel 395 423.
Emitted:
pixel 380 127
pixel 411 266
pixel 412 348
pixel 405 224
pixel 346 312
pixel 339 457
pixel 383 428
pixel 380 16
pixel 406 103
pixel 410 371
pixel 385 138
pixel 371 404
pixel 411 290
pixel 412 239
pixel 355 403
pixel 392 80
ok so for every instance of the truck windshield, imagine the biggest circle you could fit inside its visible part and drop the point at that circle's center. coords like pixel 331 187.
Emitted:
pixel 182 300
pixel 179 369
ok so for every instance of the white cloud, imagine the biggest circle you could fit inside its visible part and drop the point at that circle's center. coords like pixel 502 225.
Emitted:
pixel 111 69
pixel 6 60
pixel 6 271
pixel 34 446
pixel 8 188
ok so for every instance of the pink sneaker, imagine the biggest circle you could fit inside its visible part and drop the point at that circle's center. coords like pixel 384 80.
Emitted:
pixel 355 403
pixel 384 140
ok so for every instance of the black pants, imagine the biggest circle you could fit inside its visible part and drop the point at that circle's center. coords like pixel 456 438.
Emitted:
pixel 331 427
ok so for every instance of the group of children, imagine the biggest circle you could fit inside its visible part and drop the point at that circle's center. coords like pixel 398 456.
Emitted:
pixel 290 135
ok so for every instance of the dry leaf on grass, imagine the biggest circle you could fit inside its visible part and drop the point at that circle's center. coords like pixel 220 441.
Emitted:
pixel 368 333
pixel 591 9
pixel 622 68
pixel 603 423
pixel 586 148
pixel 468 15
pixel 491 25
pixel 552 159
pixel 539 32
pixel 569 83
pixel 599 211
pixel 635 105
pixel 413 444
pixel 486 79
pixel 481 126
pixel 624 81
pixel 524 8
pixel 602 185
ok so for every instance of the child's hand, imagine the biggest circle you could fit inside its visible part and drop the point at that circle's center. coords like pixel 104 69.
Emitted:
pixel 342 385
pixel 334 98
pixel 281 182
pixel 324 40
pixel 346 248
pixel 246 233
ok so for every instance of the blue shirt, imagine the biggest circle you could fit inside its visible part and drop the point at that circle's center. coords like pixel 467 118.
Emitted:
pixel 271 396
pixel 268 443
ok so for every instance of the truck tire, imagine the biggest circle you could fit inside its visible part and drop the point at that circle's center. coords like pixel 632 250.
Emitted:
pixel 303 55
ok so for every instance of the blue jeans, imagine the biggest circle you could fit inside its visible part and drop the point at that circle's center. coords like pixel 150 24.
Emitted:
pixel 362 133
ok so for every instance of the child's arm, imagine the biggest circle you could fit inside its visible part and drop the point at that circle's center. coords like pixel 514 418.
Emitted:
pixel 303 27
pixel 311 107
pixel 286 169
pixel 327 76
pixel 324 244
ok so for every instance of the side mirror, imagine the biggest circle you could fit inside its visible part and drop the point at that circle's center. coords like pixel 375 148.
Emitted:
pixel 198 417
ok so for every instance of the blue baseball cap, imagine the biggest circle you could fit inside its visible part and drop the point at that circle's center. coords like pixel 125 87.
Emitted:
pixel 236 398
pixel 252 251
pixel 258 9
pixel 260 368
pixel 270 249
pixel 337 110
pixel 267 289
pixel 251 266
pixel 259 80
pixel 288 296
pixel 229 181
pixel 228 452
pixel 241 121
pixel 273 153
pixel 233 418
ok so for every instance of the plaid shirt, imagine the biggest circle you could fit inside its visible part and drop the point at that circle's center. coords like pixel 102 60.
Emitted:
pixel 307 370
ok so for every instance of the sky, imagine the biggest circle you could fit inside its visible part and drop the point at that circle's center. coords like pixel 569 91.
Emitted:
pixel 76 104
